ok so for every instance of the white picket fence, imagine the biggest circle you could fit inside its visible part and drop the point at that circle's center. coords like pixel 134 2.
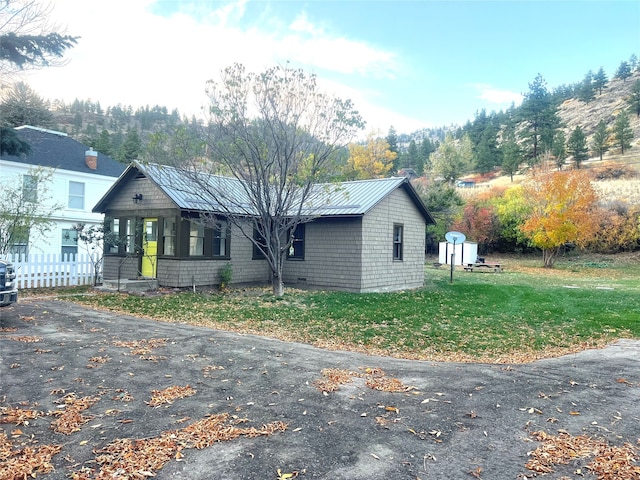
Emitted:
pixel 50 270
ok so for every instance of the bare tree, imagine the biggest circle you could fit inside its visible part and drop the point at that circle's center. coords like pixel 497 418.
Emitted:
pixel 274 133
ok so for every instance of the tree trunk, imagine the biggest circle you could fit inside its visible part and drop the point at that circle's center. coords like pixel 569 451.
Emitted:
pixel 549 256
pixel 278 286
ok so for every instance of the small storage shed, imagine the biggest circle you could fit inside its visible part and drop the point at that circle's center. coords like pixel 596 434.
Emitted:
pixel 466 252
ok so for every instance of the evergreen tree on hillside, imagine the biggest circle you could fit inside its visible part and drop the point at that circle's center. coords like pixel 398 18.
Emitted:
pixel 412 157
pixel 577 146
pixel 103 143
pixel 131 148
pixel 392 140
pixel 600 80
pixel 540 119
pixel 623 72
pixel 622 131
pixel 427 147
pixel 633 62
pixel 511 153
pixel 599 143
pixel 559 149
pixel 634 98
pixel 587 90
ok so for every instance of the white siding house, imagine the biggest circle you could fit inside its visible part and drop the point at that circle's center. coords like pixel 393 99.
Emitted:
pixel 80 177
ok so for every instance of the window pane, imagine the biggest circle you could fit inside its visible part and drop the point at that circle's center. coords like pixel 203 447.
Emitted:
pixel 169 236
pixel 69 242
pixel 397 242
pixel 113 235
pixel 76 195
pixel 130 236
pixel 221 240
pixel 30 188
pixel 196 239
pixel 296 250
pixel 257 253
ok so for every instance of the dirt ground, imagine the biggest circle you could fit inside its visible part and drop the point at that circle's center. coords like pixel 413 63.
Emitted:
pixel 88 394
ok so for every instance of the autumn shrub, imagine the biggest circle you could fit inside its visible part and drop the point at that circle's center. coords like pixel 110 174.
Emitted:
pixel 619 228
pixel 612 171
pixel 479 223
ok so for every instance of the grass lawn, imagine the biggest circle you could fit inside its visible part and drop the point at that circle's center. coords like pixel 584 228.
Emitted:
pixel 524 313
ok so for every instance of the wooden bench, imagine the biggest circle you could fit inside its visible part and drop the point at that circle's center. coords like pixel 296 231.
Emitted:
pixel 483 267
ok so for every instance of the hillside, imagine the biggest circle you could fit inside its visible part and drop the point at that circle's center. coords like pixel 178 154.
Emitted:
pixel 606 106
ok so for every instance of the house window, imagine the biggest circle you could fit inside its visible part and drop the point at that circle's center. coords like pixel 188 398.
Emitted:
pixel 397 242
pixel 196 240
pixel 296 250
pixel 76 195
pixel 169 237
pixel 222 240
pixel 112 235
pixel 130 236
pixel 257 253
pixel 30 188
pixel 19 244
pixel 69 242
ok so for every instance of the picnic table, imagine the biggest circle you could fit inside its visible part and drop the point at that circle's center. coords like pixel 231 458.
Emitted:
pixel 482 267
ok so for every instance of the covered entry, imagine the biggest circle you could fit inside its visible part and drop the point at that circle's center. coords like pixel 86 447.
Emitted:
pixel 149 247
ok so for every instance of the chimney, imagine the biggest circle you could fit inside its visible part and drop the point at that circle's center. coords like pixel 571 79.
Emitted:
pixel 91 158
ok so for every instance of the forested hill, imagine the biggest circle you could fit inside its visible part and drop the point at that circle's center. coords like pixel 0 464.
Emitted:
pixel 126 132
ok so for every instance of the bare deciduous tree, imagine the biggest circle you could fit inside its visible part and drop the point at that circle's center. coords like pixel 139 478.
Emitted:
pixel 275 133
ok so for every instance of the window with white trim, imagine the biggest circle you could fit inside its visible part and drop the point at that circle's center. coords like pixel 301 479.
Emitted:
pixel 76 195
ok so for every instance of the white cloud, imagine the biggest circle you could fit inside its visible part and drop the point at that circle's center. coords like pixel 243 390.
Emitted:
pixel 497 96
pixel 130 55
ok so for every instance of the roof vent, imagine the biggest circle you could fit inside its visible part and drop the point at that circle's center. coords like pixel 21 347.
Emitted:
pixel 91 158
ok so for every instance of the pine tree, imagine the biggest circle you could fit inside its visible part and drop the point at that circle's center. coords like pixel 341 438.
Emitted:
pixel 511 153
pixel 426 149
pixel 23 106
pixel 392 140
pixel 600 139
pixel 600 80
pixel 539 114
pixel 587 90
pixel 559 149
pixel 131 148
pixel 577 146
pixel 634 98
pixel 412 159
pixel 623 72
pixel 622 131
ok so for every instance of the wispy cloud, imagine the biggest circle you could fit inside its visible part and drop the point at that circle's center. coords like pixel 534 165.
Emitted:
pixel 131 52
pixel 496 96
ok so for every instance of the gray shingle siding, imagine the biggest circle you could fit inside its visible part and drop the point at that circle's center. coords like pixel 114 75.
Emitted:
pixel 332 257
pixel 380 271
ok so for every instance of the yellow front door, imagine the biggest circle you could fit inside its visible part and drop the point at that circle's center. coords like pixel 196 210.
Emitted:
pixel 150 248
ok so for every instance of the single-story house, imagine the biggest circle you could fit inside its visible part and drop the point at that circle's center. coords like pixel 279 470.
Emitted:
pixel 367 236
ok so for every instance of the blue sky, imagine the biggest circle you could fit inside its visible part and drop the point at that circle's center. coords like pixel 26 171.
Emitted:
pixel 408 64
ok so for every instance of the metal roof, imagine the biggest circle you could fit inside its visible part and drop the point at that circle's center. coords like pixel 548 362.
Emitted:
pixel 352 198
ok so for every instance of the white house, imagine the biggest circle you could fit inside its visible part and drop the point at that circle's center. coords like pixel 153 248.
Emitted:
pixel 80 178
